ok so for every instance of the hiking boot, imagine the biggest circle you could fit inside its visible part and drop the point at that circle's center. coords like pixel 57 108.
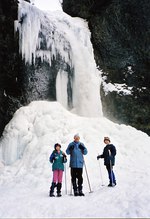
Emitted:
pixel 59 194
pixel 59 185
pixel 81 193
pixel 76 193
pixel 51 194
pixel 111 184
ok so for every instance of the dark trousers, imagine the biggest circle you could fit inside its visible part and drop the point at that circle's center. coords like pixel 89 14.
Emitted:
pixel 111 174
pixel 76 178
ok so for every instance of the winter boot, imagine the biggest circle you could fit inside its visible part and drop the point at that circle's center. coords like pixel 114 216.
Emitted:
pixel 81 193
pixel 59 185
pixel 111 184
pixel 51 192
pixel 80 190
pixel 76 193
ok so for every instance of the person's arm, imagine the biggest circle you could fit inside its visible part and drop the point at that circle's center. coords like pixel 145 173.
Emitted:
pixel 83 148
pixel 52 158
pixel 69 148
pixel 113 151
pixel 100 156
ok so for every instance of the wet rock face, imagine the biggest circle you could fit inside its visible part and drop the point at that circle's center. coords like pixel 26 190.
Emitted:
pixel 120 33
pixel 11 65
pixel 9 59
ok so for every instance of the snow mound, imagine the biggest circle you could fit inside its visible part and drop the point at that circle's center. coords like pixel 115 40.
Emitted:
pixel 25 171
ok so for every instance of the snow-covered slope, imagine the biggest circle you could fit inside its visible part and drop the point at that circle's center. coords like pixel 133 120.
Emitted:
pixel 26 176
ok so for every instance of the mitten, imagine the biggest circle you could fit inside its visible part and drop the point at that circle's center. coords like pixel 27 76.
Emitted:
pixel 71 148
pixel 99 156
pixel 81 147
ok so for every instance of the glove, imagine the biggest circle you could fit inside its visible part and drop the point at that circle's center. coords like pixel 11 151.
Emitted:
pixel 64 155
pixel 81 147
pixel 99 156
pixel 71 148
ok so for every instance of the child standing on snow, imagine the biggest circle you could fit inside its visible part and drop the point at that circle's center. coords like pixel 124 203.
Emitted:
pixel 109 154
pixel 57 158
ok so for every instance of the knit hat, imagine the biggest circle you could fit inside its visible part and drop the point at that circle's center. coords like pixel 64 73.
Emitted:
pixel 106 139
pixel 76 135
pixel 57 144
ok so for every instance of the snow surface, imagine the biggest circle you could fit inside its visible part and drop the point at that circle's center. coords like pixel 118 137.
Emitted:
pixel 48 5
pixel 25 171
pixel 119 88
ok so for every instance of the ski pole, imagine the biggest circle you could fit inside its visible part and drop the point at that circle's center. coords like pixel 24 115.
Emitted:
pixel 71 188
pixel 87 177
pixel 100 172
pixel 65 180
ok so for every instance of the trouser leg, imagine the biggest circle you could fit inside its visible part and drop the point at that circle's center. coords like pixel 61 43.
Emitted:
pixel 80 178
pixel 80 181
pixel 111 175
pixel 54 184
pixel 59 184
pixel 73 178
pixel 55 176
pixel 60 176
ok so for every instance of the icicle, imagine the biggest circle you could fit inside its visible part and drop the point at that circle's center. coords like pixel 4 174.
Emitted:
pixel 55 34
pixel 5 93
pixel 61 88
pixel 16 25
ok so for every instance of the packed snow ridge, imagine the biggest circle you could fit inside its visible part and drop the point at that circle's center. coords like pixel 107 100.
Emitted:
pixel 25 171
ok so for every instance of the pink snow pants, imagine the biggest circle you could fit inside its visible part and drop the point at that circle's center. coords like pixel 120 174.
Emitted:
pixel 57 176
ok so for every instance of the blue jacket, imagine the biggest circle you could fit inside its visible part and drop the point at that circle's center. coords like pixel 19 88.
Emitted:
pixel 58 160
pixel 76 151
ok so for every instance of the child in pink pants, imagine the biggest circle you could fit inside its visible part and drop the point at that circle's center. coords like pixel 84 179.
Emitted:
pixel 57 158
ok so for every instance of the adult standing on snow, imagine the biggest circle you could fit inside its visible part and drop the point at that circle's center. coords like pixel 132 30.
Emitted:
pixel 109 154
pixel 76 149
pixel 57 158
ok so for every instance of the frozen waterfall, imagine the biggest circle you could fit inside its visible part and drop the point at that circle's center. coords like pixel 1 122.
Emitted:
pixel 55 35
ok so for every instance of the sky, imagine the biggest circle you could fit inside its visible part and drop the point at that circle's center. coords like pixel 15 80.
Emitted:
pixel 48 5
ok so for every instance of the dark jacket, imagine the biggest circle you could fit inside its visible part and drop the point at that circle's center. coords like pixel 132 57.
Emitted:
pixel 76 151
pixel 58 160
pixel 109 154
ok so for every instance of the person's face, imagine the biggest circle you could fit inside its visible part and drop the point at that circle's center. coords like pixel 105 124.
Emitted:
pixel 77 139
pixel 57 148
pixel 106 141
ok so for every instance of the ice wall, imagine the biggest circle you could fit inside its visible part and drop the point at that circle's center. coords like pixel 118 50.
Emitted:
pixel 55 35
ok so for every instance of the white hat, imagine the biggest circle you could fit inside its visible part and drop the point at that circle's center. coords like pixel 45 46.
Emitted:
pixel 76 135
